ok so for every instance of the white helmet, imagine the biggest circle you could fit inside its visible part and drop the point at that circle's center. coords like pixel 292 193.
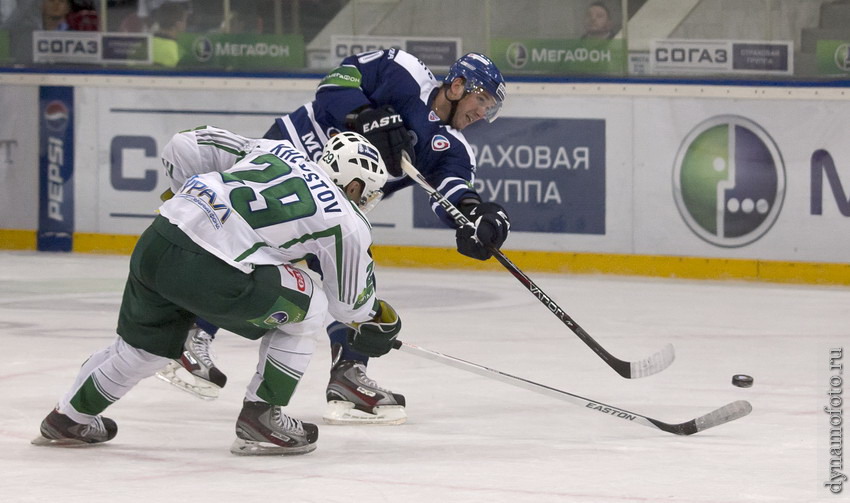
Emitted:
pixel 349 156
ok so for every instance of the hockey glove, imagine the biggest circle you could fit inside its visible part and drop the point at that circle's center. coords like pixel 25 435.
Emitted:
pixel 376 336
pixel 384 128
pixel 490 228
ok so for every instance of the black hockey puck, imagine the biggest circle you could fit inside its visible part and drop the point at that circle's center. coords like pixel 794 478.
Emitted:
pixel 742 380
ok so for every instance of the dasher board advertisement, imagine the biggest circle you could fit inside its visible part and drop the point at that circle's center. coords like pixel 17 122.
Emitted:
pixel 710 57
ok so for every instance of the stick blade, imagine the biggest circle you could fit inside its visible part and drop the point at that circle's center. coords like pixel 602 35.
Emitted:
pixel 725 414
pixel 652 364
pixel 729 412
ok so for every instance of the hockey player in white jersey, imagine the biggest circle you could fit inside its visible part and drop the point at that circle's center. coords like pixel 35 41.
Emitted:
pixel 208 148
pixel 222 249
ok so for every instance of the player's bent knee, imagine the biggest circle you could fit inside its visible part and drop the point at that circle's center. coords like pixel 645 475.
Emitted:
pixel 314 318
pixel 138 361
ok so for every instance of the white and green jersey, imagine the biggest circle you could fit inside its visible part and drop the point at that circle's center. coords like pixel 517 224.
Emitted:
pixel 201 150
pixel 274 207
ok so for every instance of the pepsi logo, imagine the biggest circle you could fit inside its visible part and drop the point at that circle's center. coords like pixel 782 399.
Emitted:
pixel 56 116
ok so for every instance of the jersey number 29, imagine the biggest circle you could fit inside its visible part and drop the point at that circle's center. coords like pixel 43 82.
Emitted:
pixel 274 201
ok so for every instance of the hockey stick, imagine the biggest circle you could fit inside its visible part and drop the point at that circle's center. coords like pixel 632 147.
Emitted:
pixel 729 412
pixel 630 370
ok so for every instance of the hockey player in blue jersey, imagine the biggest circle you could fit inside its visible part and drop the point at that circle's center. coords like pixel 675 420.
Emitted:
pixel 394 100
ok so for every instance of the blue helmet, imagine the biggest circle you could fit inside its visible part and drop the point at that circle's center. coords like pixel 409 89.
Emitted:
pixel 480 73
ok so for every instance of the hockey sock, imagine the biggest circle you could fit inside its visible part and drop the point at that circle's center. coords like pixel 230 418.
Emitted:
pixel 119 368
pixel 337 333
pixel 283 360
pixel 206 326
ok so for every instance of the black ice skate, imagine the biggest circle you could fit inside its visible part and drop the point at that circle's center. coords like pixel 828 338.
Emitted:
pixel 59 430
pixel 353 398
pixel 263 430
pixel 205 380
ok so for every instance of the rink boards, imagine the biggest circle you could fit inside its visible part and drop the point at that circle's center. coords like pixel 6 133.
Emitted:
pixel 704 181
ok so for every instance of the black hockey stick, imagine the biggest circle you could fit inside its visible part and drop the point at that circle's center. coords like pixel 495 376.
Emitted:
pixel 729 412
pixel 630 370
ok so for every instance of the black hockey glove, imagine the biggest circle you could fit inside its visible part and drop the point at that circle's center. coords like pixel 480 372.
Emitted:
pixel 491 228
pixel 376 336
pixel 384 128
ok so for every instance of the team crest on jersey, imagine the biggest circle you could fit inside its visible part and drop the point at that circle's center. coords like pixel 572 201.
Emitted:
pixel 433 117
pixel 440 143
pixel 277 318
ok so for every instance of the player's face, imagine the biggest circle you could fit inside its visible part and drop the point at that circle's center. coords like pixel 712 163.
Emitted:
pixel 354 190
pixel 472 108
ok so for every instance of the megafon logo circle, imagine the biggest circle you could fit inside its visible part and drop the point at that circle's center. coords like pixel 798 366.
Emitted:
pixel 516 55
pixel 56 116
pixel 203 49
pixel 729 181
pixel 842 57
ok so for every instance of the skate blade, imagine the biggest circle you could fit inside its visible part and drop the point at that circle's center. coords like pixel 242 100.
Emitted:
pixel 339 412
pixel 61 442
pixel 242 447
pixel 173 374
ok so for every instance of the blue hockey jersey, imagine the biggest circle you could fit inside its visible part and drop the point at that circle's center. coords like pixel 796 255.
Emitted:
pixel 388 77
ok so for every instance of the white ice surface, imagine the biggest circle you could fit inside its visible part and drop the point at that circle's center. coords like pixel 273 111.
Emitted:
pixel 468 439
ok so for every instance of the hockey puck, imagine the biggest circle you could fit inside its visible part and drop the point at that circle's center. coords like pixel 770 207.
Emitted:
pixel 742 380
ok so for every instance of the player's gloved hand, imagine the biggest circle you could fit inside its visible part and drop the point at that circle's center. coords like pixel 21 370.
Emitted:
pixel 384 128
pixel 490 230
pixel 376 336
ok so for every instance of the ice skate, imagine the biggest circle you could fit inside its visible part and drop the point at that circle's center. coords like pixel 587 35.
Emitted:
pixel 263 430
pixel 59 430
pixel 353 398
pixel 195 372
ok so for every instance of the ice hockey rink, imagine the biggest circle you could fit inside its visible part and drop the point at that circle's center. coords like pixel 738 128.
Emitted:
pixel 468 438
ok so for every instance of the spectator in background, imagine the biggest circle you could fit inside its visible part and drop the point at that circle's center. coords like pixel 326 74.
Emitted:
pixel 171 19
pixel 54 14
pixel 83 16
pixel 597 22
pixel 43 15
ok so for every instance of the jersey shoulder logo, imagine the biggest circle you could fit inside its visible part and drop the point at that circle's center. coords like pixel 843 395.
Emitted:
pixel 440 143
pixel 433 117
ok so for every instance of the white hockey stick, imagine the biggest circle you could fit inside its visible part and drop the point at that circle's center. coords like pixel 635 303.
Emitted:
pixel 650 365
pixel 729 412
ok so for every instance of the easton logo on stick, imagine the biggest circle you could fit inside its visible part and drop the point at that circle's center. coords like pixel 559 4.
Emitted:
pixel 607 409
